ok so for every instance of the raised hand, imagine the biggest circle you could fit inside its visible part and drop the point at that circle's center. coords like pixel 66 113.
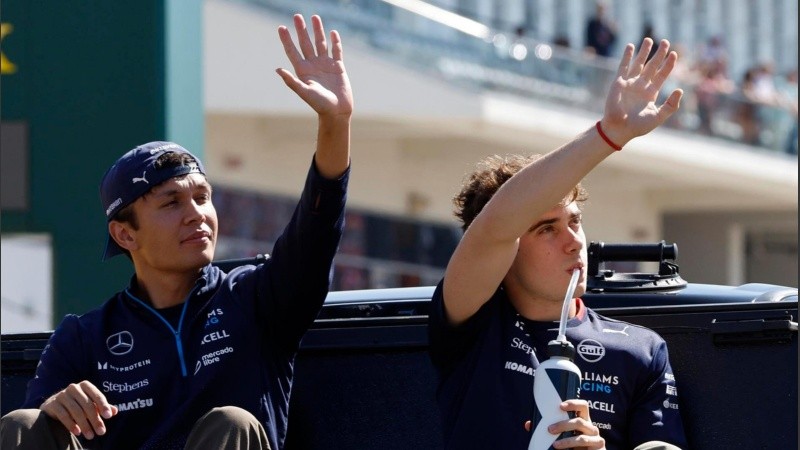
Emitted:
pixel 319 79
pixel 631 108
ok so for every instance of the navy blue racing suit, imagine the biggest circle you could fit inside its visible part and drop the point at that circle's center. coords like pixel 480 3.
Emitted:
pixel 486 368
pixel 231 343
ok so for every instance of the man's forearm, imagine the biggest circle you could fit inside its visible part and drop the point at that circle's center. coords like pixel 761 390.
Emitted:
pixel 333 146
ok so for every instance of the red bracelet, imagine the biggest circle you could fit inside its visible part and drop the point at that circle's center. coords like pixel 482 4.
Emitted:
pixel 605 138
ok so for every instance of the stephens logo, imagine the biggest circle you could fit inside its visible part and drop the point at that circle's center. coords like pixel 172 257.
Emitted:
pixel 120 343
pixel 591 350
pixel 517 343
pixel 124 387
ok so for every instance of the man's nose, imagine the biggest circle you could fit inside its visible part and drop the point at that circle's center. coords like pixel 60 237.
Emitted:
pixel 575 241
pixel 195 212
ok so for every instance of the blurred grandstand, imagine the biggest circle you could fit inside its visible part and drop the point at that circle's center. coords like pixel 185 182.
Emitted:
pixel 441 84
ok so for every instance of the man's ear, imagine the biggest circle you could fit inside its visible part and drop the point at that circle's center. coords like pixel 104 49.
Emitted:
pixel 123 234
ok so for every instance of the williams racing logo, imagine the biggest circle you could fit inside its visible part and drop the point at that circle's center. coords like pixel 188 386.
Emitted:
pixel 120 343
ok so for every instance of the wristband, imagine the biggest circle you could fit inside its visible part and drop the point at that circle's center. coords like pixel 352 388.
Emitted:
pixel 605 138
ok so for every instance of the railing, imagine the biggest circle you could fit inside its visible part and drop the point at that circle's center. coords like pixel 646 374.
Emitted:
pixel 477 57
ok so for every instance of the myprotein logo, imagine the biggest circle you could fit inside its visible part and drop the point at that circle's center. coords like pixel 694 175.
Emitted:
pixel 591 350
pixel 120 343
pixel 128 368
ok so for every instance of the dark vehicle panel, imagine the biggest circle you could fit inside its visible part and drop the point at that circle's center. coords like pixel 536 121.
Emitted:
pixel 364 379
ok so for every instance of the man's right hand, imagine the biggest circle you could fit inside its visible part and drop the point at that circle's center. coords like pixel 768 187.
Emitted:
pixel 81 408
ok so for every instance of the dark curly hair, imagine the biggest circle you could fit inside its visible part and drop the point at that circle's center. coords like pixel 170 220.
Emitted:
pixel 489 175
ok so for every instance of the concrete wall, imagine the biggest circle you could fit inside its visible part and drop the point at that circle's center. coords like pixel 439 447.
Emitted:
pixel 724 247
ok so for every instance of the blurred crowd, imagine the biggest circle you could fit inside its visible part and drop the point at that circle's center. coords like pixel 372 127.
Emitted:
pixel 758 108
pixel 762 105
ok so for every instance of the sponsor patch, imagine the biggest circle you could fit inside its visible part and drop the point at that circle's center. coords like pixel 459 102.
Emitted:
pixel 591 350
pixel 136 404
pixel 120 343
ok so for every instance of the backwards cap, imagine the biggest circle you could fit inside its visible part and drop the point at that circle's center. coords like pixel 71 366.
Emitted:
pixel 133 175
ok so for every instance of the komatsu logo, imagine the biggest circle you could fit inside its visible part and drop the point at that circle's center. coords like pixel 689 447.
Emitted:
pixel 136 404
pixel 522 368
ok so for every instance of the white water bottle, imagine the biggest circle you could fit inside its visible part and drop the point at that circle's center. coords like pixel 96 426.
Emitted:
pixel 557 379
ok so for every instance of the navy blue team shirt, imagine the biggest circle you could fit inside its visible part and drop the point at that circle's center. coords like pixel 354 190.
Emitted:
pixel 231 343
pixel 486 368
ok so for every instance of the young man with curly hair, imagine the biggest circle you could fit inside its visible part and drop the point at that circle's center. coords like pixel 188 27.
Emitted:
pixel 503 290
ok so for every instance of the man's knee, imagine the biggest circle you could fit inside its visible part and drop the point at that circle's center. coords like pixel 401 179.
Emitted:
pixel 656 445
pixel 33 429
pixel 232 415
pixel 228 427
pixel 19 420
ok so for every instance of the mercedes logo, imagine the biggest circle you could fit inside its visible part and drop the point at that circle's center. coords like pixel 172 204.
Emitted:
pixel 120 343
